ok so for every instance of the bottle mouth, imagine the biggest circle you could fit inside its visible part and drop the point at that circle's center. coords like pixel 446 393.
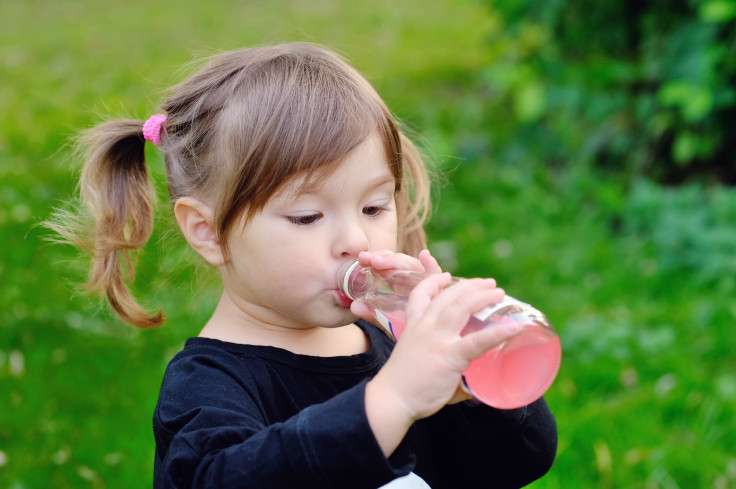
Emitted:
pixel 343 277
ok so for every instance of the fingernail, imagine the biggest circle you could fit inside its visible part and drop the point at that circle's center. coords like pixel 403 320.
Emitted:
pixel 512 327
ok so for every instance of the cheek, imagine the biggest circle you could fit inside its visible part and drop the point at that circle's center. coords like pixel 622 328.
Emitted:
pixel 388 236
pixel 387 241
pixel 288 260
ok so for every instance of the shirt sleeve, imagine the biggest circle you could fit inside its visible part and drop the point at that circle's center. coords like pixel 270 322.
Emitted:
pixel 212 433
pixel 473 445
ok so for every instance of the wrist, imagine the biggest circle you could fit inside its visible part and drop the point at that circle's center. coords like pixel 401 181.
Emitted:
pixel 388 416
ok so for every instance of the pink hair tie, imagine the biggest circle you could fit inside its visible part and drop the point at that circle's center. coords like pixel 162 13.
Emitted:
pixel 152 128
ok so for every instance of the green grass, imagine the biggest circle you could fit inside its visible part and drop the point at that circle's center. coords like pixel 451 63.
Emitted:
pixel 646 396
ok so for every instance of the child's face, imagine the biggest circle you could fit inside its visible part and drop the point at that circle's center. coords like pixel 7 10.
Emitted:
pixel 285 260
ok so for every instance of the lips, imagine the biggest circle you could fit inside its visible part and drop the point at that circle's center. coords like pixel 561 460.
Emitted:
pixel 341 299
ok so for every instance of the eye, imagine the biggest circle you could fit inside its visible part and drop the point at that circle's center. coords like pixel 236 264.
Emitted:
pixel 374 210
pixel 304 220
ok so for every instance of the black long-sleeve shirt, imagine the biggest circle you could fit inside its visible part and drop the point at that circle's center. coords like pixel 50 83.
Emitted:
pixel 243 416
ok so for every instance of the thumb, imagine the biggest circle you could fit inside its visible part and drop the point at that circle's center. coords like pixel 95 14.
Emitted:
pixel 362 310
pixel 365 311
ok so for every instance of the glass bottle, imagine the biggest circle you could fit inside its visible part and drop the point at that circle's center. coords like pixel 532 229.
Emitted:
pixel 515 373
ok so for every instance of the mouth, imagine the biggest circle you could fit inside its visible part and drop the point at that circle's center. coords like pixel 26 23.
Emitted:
pixel 341 299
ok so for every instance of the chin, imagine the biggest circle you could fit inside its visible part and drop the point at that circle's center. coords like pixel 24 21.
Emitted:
pixel 345 318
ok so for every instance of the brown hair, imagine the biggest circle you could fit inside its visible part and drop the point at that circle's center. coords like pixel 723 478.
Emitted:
pixel 236 131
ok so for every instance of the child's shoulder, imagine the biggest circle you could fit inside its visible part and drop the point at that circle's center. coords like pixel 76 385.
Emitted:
pixel 204 362
pixel 204 358
pixel 261 379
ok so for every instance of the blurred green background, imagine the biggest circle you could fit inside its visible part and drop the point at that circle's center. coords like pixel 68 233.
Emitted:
pixel 589 163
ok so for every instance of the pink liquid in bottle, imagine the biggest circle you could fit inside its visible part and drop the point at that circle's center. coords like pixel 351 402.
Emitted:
pixel 517 372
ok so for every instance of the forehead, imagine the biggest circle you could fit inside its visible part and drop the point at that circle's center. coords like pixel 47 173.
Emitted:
pixel 364 166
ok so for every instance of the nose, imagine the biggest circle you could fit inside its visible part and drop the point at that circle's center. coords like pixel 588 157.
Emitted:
pixel 350 238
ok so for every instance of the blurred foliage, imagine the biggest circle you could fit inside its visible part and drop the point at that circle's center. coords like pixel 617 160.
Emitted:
pixel 690 228
pixel 639 88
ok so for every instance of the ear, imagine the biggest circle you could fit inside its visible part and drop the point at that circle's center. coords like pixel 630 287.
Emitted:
pixel 195 220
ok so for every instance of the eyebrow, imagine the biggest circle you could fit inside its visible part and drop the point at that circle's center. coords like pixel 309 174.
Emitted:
pixel 313 186
pixel 381 180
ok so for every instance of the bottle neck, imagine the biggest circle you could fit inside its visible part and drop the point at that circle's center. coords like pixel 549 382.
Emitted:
pixel 363 282
pixel 346 278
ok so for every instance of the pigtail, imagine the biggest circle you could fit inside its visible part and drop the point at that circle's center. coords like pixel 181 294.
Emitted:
pixel 117 197
pixel 413 200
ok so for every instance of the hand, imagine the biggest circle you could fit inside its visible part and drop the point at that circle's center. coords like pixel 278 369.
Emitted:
pixel 424 370
pixel 389 261
pixel 386 260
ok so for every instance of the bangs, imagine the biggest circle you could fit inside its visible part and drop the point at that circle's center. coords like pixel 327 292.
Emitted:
pixel 296 116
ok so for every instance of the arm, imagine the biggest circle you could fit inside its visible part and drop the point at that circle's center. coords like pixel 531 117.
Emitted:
pixel 423 372
pixel 212 433
pixel 473 445
pixel 425 369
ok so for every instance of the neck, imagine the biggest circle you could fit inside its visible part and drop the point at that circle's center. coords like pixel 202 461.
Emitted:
pixel 234 325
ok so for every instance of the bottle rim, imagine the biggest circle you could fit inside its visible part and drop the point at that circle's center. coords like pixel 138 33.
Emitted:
pixel 343 278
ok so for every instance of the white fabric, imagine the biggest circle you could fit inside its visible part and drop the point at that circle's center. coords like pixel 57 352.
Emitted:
pixel 410 481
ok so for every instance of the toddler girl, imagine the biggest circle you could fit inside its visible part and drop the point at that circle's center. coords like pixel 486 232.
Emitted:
pixel 283 163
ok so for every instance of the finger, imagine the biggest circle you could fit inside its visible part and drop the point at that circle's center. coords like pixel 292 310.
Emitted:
pixel 365 311
pixel 454 305
pixel 429 263
pixel 364 257
pixel 475 344
pixel 362 310
pixel 460 395
pixel 395 261
pixel 423 294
